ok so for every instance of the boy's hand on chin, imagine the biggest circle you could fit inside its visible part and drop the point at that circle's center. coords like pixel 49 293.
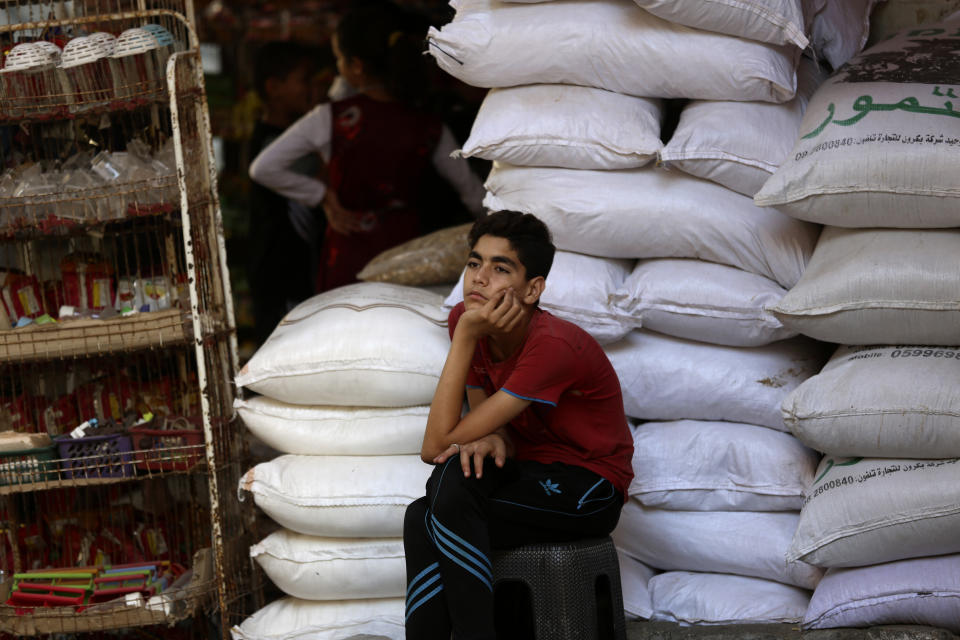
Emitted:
pixel 501 314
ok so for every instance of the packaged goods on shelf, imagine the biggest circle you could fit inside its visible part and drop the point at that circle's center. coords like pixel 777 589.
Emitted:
pixel 878 286
pixel 29 77
pixel 85 599
pixel 87 188
pixel 333 430
pixel 139 59
pixel 611 44
pixel 648 213
pixel 690 598
pixel 579 290
pixel 554 125
pixel 107 137
pixel 879 144
pixel 719 466
pixel 22 297
pixel 862 511
pixel 315 568
pixel 87 74
pixel 666 378
pixel 740 157
pixel 702 301
pixel 744 543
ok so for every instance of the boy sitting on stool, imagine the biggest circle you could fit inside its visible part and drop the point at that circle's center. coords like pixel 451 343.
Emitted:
pixel 544 454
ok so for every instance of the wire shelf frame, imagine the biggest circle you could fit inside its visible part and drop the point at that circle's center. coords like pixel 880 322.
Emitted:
pixel 163 85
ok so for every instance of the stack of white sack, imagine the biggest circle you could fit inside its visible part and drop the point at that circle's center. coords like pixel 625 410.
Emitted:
pixel 572 123
pixel 879 161
pixel 714 504
pixel 346 380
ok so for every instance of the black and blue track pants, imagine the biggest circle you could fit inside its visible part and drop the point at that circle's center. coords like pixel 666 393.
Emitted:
pixel 448 535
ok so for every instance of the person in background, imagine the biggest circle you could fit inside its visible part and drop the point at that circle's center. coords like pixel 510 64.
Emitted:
pixel 544 453
pixel 283 232
pixel 379 144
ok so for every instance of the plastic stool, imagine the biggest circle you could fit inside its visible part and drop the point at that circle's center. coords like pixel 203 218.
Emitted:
pixel 564 580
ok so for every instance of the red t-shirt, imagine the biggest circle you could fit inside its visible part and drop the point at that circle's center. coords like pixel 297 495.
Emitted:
pixel 576 411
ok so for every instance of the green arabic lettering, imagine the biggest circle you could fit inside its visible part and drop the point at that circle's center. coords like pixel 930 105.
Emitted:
pixel 831 109
pixel 865 104
pixel 948 94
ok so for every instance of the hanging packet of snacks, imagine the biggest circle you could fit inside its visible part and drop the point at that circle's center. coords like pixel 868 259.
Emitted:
pixel 21 296
pixel 87 282
pixel 157 292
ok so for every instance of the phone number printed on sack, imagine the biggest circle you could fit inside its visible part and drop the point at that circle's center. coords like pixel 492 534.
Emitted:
pixel 876 472
pixel 925 353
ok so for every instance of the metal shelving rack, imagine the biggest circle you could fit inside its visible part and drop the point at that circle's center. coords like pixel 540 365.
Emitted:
pixel 193 344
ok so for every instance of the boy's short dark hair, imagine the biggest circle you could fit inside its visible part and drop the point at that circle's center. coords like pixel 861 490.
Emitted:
pixel 278 59
pixel 527 234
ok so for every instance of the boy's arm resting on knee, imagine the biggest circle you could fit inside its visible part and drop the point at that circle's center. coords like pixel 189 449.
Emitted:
pixel 490 418
pixel 444 424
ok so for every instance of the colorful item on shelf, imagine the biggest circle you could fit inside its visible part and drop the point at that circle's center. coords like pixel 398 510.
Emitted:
pixel 81 587
pixel 96 456
pixel 87 281
pixel 21 296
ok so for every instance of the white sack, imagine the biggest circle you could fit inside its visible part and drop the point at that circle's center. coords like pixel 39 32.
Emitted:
pixel 715 598
pixel 740 144
pixel 703 301
pixel 338 496
pixel 369 344
pixel 608 44
pixel 579 289
pixel 841 29
pixel 880 141
pixel 862 511
pixel 634 576
pixel 666 378
pixel 295 619
pixel 555 125
pixel 883 402
pixel 315 568
pixel 334 431
pixel 740 542
pixel 646 213
pixel 719 466
pixel 879 286
pixel 773 21
pixel 923 591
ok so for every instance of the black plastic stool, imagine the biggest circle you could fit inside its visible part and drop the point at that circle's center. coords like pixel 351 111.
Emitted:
pixel 565 580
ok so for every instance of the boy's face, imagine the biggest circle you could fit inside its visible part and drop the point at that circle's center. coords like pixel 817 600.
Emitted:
pixel 292 91
pixel 493 267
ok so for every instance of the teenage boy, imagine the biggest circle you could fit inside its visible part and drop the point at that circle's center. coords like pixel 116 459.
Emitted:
pixel 544 454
